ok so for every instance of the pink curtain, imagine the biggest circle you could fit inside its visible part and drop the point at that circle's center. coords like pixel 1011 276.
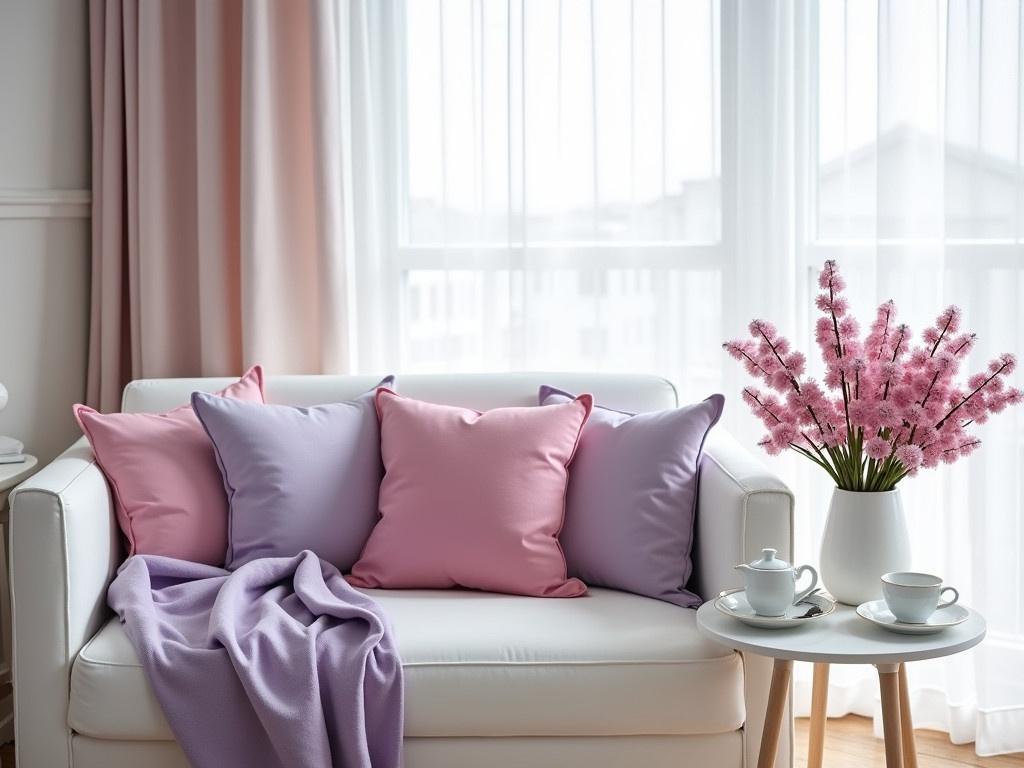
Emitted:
pixel 220 228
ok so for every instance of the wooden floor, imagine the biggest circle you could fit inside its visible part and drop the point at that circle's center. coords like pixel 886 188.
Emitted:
pixel 850 743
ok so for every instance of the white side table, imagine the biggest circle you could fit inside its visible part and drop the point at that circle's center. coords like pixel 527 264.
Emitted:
pixel 842 637
pixel 10 476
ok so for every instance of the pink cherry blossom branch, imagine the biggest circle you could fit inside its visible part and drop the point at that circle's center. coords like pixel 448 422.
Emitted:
pixel 898 402
pixel 977 389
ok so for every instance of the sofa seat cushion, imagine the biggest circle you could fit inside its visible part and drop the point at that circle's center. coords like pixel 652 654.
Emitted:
pixel 483 664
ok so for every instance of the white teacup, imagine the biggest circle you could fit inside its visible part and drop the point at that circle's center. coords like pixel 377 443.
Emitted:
pixel 914 597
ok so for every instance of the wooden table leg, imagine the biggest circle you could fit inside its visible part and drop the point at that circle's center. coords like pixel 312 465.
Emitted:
pixel 888 682
pixel 906 722
pixel 781 674
pixel 819 705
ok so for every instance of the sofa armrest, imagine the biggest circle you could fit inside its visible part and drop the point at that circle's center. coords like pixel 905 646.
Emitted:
pixel 741 507
pixel 65 550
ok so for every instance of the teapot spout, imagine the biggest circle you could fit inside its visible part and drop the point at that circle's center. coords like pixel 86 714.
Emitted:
pixel 743 567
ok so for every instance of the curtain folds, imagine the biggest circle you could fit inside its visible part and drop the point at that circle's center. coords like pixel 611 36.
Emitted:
pixel 917 190
pixel 223 229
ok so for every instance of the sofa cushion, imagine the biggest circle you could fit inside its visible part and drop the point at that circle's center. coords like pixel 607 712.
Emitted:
pixel 484 664
pixel 632 497
pixel 168 493
pixel 472 499
pixel 296 478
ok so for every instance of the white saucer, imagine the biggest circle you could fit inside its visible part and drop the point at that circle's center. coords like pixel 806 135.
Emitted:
pixel 878 613
pixel 734 603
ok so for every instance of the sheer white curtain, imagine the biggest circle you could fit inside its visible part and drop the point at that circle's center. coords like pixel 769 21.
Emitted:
pixel 916 190
pixel 550 186
pixel 623 184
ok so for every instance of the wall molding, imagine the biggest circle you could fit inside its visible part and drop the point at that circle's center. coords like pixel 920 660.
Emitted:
pixel 45 203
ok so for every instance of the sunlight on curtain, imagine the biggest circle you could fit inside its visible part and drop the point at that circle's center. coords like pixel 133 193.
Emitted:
pixel 560 159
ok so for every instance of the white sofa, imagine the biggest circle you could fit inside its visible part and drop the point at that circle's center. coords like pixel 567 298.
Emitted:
pixel 612 679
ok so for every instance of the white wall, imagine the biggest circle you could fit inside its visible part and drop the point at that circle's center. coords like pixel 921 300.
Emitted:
pixel 44 224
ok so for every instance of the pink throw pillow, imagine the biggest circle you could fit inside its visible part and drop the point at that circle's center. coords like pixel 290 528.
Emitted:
pixel 168 491
pixel 472 499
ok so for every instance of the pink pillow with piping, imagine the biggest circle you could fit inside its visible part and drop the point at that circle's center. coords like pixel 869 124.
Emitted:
pixel 168 491
pixel 472 499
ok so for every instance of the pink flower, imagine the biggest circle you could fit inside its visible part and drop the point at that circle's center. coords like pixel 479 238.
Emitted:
pixel 862 412
pixel 919 357
pixel 966 449
pixel 887 414
pixel 783 434
pixel 949 320
pixel 901 342
pixel 877 448
pixel 910 456
pixel 833 438
pixel 1004 364
pixel 737 349
pixel 933 411
pixel 932 456
pixel 848 328
pixel 823 330
pixel 902 396
pixel 961 345
pixel 762 329
pixel 761 406
pixel 926 435
pixel 767 361
pixel 877 342
pixel 913 414
pixel 830 279
pixel 836 305
pixel 796 362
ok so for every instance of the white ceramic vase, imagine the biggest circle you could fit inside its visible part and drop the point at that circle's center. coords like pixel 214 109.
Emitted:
pixel 865 536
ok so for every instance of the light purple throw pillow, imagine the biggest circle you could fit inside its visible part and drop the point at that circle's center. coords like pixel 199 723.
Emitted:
pixel 633 495
pixel 296 478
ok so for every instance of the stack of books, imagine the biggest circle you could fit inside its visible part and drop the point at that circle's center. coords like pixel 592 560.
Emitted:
pixel 11 451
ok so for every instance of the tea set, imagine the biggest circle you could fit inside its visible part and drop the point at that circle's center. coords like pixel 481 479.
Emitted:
pixel 912 602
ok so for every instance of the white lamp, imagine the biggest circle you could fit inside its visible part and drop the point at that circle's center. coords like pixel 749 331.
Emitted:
pixel 10 449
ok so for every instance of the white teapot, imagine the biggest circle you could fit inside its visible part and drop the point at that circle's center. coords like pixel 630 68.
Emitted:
pixel 771 583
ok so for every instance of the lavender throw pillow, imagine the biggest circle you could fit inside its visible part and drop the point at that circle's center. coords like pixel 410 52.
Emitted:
pixel 632 497
pixel 296 478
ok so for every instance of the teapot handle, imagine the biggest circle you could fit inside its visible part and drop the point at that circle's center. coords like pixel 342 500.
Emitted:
pixel 814 582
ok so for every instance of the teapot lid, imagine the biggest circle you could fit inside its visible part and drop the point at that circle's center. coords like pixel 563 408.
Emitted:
pixel 769 562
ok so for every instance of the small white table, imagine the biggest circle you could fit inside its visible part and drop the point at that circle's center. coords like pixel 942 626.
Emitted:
pixel 842 637
pixel 10 476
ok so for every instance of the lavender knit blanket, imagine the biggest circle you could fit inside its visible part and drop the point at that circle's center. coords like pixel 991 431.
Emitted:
pixel 279 663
